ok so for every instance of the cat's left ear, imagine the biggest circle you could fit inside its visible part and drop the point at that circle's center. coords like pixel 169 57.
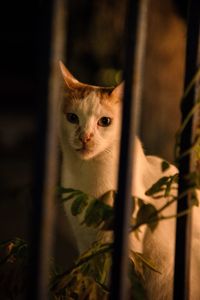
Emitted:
pixel 118 92
pixel 69 79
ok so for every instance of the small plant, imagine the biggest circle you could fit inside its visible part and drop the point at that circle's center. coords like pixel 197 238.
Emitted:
pixel 90 275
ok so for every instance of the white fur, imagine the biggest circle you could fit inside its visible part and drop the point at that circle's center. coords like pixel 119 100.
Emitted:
pixel 96 173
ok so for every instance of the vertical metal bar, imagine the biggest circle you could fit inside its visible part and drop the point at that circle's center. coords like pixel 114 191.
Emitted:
pixel 183 226
pixel 51 49
pixel 135 31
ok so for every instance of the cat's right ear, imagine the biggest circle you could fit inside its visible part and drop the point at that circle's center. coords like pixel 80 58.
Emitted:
pixel 118 91
pixel 69 79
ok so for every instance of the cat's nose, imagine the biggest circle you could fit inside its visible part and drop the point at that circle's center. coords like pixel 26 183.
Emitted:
pixel 85 138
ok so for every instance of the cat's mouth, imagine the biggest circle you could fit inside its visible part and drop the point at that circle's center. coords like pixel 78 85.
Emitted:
pixel 84 150
pixel 84 153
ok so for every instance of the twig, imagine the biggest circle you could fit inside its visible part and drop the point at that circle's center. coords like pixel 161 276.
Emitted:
pixel 104 248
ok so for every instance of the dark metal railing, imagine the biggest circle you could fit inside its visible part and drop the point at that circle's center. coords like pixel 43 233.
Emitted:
pixel 135 30
pixel 37 278
pixel 183 226
pixel 50 41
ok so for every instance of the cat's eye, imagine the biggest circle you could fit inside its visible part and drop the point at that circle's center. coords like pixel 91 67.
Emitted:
pixel 72 118
pixel 104 121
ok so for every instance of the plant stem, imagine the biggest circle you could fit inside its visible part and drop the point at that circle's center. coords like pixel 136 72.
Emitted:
pixel 104 248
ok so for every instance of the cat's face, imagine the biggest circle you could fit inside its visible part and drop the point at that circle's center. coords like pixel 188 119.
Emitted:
pixel 90 117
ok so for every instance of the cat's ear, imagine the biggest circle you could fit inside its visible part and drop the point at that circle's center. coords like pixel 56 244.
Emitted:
pixel 118 91
pixel 69 79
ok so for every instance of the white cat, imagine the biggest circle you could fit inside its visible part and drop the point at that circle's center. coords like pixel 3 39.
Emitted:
pixel 90 121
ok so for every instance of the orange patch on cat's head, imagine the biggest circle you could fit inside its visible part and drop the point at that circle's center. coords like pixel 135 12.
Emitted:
pixel 71 96
pixel 76 90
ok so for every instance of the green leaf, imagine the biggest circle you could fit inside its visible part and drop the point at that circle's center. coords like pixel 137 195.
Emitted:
pixel 193 180
pixel 71 193
pixel 92 216
pixel 141 258
pixel 165 165
pixel 157 187
pixel 62 190
pixel 140 202
pixel 108 224
pixel 107 212
pixel 168 187
pixel 194 198
pixel 99 269
pixel 79 204
pixel 137 284
pixel 108 197
pixel 68 197
pixel 175 178
pixel 146 213
pixel 15 249
pixel 97 212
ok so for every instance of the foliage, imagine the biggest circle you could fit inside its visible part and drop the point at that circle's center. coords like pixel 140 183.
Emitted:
pixel 91 270
pixel 94 212
pixel 13 268
pixel 88 278
pixel 90 274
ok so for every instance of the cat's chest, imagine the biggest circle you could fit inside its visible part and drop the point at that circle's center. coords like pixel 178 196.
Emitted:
pixel 93 179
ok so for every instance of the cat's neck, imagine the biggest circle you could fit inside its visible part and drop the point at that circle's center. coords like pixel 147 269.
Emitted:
pixel 94 176
pixel 98 175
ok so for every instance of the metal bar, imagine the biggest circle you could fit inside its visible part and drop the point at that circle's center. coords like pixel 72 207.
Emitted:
pixel 135 37
pixel 51 48
pixel 183 225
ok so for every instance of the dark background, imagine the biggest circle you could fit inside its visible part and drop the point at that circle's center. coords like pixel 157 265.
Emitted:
pixel 94 54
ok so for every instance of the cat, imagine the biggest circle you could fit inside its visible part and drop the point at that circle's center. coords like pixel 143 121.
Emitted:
pixel 89 129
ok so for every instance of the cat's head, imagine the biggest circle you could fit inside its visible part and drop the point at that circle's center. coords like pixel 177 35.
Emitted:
pixel 90 117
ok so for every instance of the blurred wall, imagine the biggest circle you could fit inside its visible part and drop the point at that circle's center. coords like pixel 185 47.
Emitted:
pixel 163 79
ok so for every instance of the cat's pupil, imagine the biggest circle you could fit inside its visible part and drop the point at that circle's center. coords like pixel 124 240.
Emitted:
pixel 104 121
pixel 72 118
